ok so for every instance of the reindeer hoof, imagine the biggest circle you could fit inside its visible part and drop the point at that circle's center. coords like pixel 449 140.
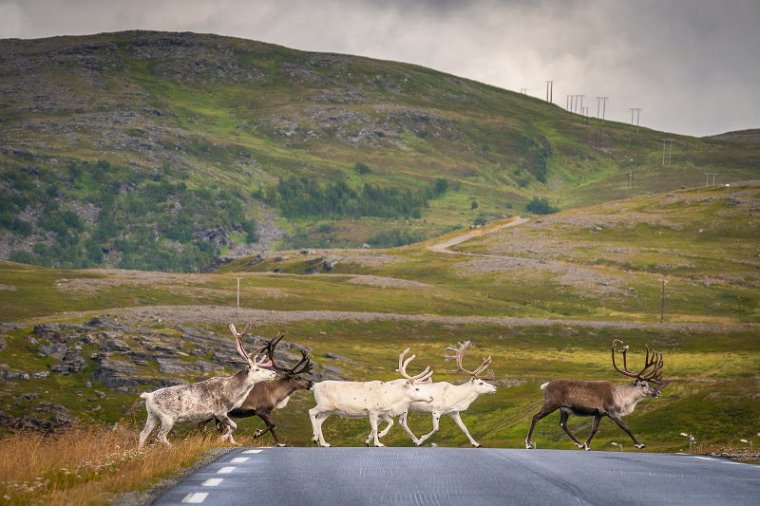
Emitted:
pixel 529 445
pixel 379 445
pixel 641 445
pixel 257 433
pixel 281 445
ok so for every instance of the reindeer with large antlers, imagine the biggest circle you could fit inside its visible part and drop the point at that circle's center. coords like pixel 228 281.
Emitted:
pixel 372 399
pixel 212 398
pixel 601 398
pixel 270 395
pixel 267 396
pixel 449 399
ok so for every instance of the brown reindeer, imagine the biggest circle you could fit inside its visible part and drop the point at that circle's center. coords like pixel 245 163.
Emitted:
pixel 601 398
pixel 274 394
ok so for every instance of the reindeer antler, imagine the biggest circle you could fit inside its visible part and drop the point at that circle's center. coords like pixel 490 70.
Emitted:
pixel 404 362
pixel 653 363
pixel 271 344
pixel 459 352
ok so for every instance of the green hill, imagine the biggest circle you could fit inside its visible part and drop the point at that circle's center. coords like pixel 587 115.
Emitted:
pixel 163 151
pixel 544 299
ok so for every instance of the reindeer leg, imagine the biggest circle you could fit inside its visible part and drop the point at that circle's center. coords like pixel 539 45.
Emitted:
pixel 388 419
pixel 150 424
pixel 564 415
pixel 625 428
pixel 266 420
pixel 166 426
pixel 270 428
pixel 436 424
pixel 385 418
pixel 458 420
pixel 317 419
pixel 373 418
pixel 224 419
pixel 594 426
pixel 545 411
pixel 405 426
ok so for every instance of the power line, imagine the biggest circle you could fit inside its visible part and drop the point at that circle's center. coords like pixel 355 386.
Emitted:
pixel 549 91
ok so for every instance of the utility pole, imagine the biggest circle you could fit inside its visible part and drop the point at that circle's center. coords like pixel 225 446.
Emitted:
pixel 238 293
pixel 603 102
pixel 549 91
pixel 710 181
pixel 662 300
pixel 636 110
pixel 524 91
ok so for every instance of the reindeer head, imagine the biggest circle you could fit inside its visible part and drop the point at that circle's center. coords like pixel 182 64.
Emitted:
pixel 417 393
pixel 476 379
pixel 649 379
pixel 293 373
pixel 255 365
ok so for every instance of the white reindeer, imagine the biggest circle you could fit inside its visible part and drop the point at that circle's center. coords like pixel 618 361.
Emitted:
pixel 371 399
pixel 212 398
pixel 449 399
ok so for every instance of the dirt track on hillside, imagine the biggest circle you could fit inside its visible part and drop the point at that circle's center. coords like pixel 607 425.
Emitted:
pixel 179 315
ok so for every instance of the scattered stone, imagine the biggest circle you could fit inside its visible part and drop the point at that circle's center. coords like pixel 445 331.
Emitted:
pixel 335 356
pixel 54 350
pixel 72 362
pixel 113 344
pixel 16 375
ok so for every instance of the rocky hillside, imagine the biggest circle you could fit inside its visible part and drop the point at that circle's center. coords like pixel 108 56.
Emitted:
pixel 164 151
pixel 97 369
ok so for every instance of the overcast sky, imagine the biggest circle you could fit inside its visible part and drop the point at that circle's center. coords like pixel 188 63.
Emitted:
pixel 691 65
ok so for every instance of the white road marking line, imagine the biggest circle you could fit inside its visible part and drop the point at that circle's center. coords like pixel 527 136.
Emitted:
pixel 226 470
pixel 212 482
pixel 731 462
pixel 252 451
pixel 195 497
pixel 239 460
pixel 704 458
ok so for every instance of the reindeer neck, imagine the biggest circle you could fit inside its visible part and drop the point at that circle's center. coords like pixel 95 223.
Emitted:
pixel 627 396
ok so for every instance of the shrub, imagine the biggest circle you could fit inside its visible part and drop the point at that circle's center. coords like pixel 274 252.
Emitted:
pixel 362 168
pixel 394 237
pixel 540 206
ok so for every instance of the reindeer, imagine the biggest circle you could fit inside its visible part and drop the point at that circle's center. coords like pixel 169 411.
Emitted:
pixel 267 396
pixel 451 399
pixel 212 398
pixel 372 399
pixel 601 398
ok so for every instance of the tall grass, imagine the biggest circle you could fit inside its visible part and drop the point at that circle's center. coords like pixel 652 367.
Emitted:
pixel 88 465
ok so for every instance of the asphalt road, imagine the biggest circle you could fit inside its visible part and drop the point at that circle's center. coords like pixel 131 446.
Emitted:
pixel 464 477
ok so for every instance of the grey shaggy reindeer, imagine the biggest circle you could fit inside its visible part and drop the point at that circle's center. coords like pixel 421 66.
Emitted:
pixel 212 398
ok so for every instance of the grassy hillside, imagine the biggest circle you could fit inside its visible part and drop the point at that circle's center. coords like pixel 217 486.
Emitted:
pixel 90 340
pixel 163 151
